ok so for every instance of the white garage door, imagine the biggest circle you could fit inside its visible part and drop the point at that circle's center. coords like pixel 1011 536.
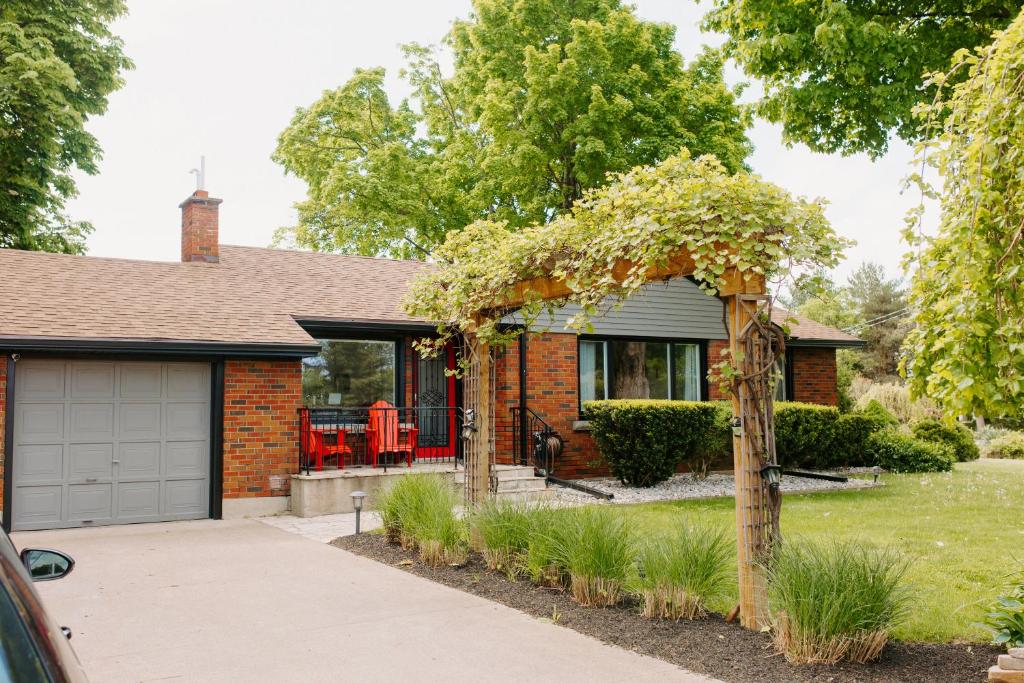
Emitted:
pixel 110 443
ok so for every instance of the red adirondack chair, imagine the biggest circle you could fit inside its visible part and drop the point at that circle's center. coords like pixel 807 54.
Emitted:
pixel 384 433
pixel 317 449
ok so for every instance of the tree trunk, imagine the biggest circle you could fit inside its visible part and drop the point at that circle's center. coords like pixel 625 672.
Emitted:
pixel 630 370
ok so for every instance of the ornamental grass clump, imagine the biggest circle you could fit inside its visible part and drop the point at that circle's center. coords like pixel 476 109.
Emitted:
pixel 442 538
pixel 835 601
pixel 597 551
pixel 542 562
pixel 504 528
pixel 680 571
pixel 401 506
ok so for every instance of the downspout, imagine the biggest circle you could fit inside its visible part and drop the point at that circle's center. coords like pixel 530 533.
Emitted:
pixel 523 421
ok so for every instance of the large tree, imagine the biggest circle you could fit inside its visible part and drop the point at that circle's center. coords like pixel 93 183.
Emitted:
pixel 843 75
pixel 967 350
pixel 58 63
pixel 546 98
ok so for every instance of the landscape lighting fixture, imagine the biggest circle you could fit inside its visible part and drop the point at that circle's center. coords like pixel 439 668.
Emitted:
pixel 357 505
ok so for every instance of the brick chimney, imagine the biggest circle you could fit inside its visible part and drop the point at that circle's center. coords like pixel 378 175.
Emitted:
pixel 199 233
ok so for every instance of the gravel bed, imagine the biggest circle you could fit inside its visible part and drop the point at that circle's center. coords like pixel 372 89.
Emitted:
pixel 707 646
pixel 686 486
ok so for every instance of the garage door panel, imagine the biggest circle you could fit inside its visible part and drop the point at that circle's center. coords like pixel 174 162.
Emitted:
pixel 92 380
pixel 188 381
pixel 99 442
pixel 187 459
pixel 40 380
pixel 91 422
pixel 139 461
pixel 138 499
pixel 90 461
pixel 35 505
pixel 185 497
pixel 39 422
pixel 140 421
pixel 39 464
pixel 188 420
pixel 141 381
pixel 92 502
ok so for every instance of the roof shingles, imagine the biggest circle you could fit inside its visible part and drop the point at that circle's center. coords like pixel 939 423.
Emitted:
pixel 252 296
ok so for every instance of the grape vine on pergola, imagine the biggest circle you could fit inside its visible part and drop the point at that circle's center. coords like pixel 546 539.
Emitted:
pixel 732 233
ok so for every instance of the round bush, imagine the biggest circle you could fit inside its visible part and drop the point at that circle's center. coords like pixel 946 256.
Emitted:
pixel 805 435
pixel 956 436
pixel 1009 445
pixel 898 452
pixel 644 441
pixel 880 414
pixel 851 439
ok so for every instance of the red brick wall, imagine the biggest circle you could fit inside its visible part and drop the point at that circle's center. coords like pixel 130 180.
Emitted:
pixel 814 376
pixel 715 348
pixel 261 425
pixel 3 421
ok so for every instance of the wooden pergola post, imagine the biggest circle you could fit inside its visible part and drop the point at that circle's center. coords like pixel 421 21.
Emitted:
pixel 750 494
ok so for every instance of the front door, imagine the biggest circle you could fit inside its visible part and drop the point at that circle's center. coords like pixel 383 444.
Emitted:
pixel 434 399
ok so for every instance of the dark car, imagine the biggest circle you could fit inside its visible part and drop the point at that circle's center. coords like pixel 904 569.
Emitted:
pixel 32 646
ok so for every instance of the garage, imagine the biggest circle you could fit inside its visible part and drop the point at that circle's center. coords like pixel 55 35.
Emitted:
pixel 102 442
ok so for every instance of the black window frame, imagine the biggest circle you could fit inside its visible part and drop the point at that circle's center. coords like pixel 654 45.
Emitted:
pixel 399 342
pixel 702 353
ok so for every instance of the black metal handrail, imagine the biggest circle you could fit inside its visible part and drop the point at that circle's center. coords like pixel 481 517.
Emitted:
pixel 534 440
pixel 332 437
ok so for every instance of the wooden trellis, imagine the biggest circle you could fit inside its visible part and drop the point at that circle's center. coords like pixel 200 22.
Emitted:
pixel 755 344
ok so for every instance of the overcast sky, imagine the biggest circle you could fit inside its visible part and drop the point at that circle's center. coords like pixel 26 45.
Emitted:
pixel 222 78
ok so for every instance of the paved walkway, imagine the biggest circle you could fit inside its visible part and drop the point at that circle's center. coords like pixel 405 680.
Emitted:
pixel 242 601
pixel 324 528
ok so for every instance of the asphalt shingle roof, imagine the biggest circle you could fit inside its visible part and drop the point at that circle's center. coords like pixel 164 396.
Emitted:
pixel 252 296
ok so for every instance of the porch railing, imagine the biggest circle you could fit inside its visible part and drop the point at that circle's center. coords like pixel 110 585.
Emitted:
pixel 534 441
pixel 371 436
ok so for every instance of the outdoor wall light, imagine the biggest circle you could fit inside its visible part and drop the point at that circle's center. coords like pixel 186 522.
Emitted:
pixel 469 424
pixel 737 426
pixel 772 474
pixel 357 505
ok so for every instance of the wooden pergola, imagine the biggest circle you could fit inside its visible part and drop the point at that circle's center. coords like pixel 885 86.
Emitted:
pixel 754 344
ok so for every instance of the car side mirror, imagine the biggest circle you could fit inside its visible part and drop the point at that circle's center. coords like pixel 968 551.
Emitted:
pixel 46 565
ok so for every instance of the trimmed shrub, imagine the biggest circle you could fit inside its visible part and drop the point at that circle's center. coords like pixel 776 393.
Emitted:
pixel 504 528
pixel 1008 445
pixel 834 601
pixel 880 414
pixel 597 552
pixel 805 435
pixel 713 445
pixel 680 571
pixel 956 436
pixel 644 441
pixel 851 439
pixel 897 452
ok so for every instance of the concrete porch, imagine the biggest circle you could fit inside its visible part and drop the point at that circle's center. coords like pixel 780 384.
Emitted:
pixel 330 491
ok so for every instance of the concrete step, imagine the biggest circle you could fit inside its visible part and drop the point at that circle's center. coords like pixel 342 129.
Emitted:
pixel 525 496
pixel 531 484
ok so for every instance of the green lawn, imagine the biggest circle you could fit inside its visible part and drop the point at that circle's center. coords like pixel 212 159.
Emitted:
pixel 964 532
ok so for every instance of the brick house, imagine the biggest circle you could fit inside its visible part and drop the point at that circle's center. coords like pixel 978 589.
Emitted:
pixel 136 391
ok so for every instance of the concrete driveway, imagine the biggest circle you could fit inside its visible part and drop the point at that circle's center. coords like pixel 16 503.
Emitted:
pixel 243 601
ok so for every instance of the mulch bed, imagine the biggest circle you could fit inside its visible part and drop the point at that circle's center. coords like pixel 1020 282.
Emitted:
pixel 709 646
